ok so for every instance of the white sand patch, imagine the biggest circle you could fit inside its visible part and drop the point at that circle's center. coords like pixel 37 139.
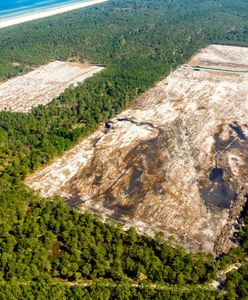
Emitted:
pixel 235 162
pixel 42 85
pixel 216 55
pixel 47 13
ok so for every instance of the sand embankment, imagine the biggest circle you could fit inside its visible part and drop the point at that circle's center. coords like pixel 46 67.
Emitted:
pixel 46 13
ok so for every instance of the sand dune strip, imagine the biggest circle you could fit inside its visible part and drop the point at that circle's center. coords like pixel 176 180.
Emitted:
pixel 47 13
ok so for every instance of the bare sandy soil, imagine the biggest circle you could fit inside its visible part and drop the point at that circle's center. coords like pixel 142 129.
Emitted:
pixel 175 161
pixel 42 85
pixel 224 56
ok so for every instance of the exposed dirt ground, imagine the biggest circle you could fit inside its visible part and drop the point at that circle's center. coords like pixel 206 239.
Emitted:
pixel 42 85
pixel 175 161
pixel 224 56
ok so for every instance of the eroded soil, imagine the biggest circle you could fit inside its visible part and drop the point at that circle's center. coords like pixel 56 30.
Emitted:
pixel 175 161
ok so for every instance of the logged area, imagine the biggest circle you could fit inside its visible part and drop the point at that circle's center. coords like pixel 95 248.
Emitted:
pixel 42 85
pixel 165 163
pixel 225 57
pixel 175 161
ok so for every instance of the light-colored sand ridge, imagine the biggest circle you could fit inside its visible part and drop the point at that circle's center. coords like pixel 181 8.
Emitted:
pixel 42 85
pixel 47 13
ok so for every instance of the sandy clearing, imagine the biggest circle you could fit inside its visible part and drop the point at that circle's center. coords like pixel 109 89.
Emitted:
pixel 224 56
pixel 47 13
pixel 152 168
pixel 42 85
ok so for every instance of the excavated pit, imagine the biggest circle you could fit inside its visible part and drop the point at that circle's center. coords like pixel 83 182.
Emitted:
pixel 176 161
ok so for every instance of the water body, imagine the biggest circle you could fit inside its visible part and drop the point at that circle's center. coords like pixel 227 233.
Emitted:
pixel 220 195
pixel 12 8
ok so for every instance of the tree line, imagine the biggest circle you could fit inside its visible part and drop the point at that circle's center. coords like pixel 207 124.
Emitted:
pixel 43 242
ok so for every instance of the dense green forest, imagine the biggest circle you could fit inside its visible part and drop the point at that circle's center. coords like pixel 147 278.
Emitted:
pixel 52 241
pixel 54 252
pixel 45 245
pixel 236 282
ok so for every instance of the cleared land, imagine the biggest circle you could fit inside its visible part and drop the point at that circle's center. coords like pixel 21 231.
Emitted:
pixel 42 85
pixel 226 57
pixel 175 161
